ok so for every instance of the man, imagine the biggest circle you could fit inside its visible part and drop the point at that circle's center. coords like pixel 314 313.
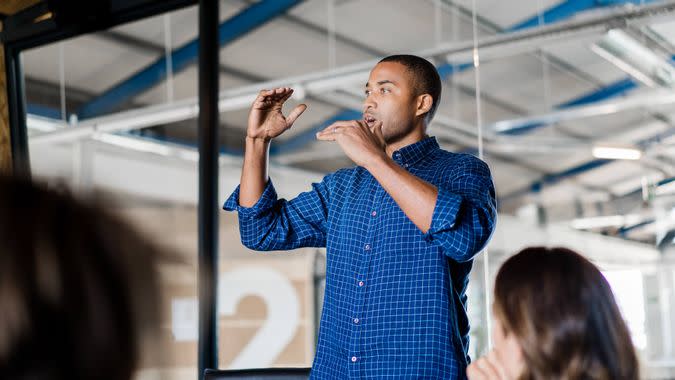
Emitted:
pixel 401 228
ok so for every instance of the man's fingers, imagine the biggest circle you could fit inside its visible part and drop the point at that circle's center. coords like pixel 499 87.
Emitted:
pixel 326 136
pixel 338 125
pixel 285 94
pixel 265 92
pixel 273 94
pixel 293 116
pixel 377 130
pixel 329 131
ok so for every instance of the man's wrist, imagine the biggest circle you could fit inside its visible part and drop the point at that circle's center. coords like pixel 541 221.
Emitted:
pixel 257 144
pixel 377 160
pixel 257 140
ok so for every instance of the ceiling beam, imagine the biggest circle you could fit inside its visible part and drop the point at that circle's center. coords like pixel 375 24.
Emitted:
pixel 230 30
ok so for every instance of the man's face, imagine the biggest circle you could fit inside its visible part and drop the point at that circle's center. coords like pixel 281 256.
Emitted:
pixel 390 99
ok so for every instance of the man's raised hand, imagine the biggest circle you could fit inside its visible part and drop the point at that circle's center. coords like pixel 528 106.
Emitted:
pixel 265 120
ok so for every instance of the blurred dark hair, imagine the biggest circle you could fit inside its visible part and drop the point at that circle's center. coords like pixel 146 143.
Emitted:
pixel 78 287
pixel 563 314
pixel 424 78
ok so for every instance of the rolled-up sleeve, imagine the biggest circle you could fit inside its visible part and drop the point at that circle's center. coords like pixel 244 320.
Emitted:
pixel 277 224
pixel 465 213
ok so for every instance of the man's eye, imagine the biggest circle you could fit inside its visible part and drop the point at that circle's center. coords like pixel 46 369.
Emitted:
pixel 367 92
pixel 385 90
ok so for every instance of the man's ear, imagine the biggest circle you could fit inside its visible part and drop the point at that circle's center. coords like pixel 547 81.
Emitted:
pixel 424 103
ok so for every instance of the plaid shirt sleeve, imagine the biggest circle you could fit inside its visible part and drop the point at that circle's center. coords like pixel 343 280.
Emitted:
pixel 465 213
pixel 277 224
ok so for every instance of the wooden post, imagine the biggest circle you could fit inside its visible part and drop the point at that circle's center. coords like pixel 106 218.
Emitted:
pixel 7 7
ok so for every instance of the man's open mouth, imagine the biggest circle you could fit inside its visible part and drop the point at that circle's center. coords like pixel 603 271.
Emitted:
pixel 369 120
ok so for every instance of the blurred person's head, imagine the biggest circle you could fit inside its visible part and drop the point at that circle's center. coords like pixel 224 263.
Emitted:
pixel 556 318
pixel 78 288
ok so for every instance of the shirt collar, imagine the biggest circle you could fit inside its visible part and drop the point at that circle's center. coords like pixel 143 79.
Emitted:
pixel 410 154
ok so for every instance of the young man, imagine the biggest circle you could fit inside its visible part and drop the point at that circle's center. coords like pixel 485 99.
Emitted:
pixel 401 228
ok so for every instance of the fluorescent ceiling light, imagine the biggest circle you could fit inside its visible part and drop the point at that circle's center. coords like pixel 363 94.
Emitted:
pixel 635 59
pixel 616 153
pixel 606 221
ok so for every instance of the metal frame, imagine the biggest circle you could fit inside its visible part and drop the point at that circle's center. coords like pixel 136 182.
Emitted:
pixel 18 35
pixel 208 185
pixel 16 104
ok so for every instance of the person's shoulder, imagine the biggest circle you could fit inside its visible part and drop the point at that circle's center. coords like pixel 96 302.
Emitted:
pixel 452 162
pixel 447 157
pixel 344 174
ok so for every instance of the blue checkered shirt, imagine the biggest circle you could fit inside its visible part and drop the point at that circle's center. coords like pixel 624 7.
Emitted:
pixel 394 304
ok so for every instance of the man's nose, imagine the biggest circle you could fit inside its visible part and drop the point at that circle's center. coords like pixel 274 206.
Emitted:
pixel 368 104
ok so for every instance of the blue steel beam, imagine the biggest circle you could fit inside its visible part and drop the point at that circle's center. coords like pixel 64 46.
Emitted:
pixel 43 111
pixel 570 8
pixel 586 166
pixel 618 88
pixel 615 89
pixel 623 231
pixel 244 22
pixel 556 13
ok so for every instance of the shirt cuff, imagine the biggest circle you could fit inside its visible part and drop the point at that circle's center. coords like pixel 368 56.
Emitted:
pixel 266 201
pixel 445 213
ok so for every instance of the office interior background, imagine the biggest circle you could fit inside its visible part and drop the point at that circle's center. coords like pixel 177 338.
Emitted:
pixel 571 103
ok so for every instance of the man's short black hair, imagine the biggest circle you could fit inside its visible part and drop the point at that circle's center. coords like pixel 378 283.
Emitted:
pixel 424 77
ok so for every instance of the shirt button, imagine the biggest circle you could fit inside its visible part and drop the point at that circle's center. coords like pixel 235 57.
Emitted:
pixel 367 247
pixel 356 321
pixel 360 283
pixel 373 213
pixel 354 359
pixel 405 165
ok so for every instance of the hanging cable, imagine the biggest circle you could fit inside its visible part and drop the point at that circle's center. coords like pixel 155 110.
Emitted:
pixel 438 26
pixel 453 78
pixel 62 82
pixel 546 68
pixel 169 59
pixel 332 59
pixel 479 123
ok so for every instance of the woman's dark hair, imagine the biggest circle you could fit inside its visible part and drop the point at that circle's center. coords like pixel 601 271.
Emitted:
pixel 563 314
pixel 78 288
